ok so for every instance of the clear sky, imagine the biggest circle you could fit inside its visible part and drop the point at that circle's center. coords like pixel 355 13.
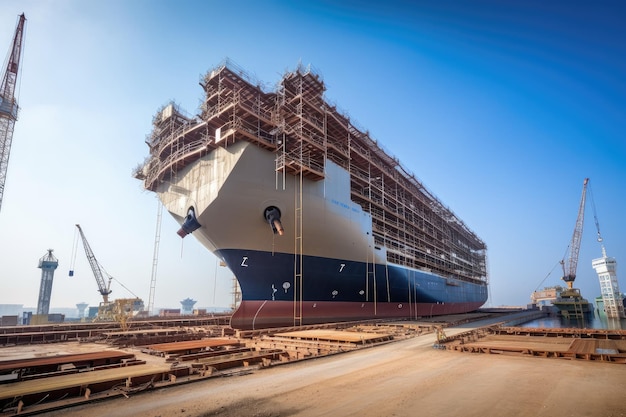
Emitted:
pixel 500 108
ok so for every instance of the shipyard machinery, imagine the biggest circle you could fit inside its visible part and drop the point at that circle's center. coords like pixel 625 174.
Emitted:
pixel 119 310
pixel 8 102
pixel 569 267
pixel 99 272
pixel 570 302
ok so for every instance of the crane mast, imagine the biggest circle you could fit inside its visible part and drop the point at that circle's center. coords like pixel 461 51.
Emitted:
pixel 8 103
pixel 569 266
pixel 103 286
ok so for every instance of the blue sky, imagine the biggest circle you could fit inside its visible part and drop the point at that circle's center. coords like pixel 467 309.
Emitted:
pixel 500 108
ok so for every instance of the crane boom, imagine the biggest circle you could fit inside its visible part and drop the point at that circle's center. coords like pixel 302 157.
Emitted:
pixel 569 267
pixel 8 103
pixel 103 286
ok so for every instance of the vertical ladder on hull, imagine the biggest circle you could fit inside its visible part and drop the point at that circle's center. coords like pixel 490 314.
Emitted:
pixel 412 294
pixel 370 276
pixel 370 265
pixel 297 267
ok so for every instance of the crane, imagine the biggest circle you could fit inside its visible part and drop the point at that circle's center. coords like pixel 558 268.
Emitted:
pixel 569 266
pixel 119 310
pixel 98 271
pixel 8 103
pixel 570 302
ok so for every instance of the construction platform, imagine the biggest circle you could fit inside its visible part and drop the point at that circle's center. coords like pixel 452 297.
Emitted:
pixel 357 337
pixel 58 375
pixel 28 368
pixel 15 396
pixel 587 344
pixel 63 332
pixel 189 347
pixel 111 363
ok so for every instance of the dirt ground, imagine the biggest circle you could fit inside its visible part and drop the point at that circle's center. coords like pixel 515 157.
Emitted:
pixel 405 378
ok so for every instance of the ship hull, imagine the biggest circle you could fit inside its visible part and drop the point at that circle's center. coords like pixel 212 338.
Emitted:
pixel 255 314
pixel 335 290
pixel 571 304
pixel 574 308
pixel 330 271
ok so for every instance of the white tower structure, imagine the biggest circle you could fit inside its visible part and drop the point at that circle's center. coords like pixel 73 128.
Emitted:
pixel 187 304
pixel 48 264
pixel 606 268
pixel 82 307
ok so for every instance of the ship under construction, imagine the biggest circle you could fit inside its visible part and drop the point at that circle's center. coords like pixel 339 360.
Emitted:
pixel 316 221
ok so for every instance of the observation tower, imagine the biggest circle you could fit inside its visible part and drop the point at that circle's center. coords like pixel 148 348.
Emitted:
pixel 48 264
pixel 187 304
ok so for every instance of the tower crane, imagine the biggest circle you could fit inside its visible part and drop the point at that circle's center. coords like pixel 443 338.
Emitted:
pixel 569 266
pixel 8 103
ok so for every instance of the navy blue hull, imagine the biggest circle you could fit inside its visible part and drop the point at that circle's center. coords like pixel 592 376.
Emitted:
pixel 339 290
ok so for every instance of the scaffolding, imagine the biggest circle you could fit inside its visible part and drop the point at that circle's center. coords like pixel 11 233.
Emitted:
pixel 304 131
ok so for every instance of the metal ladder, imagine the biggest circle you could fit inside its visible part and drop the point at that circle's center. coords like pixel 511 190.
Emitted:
pixel 298 257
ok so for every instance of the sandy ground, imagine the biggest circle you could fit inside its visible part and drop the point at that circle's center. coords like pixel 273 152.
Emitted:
pixel 405 378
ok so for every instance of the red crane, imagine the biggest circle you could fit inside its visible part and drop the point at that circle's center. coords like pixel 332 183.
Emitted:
pixel 569 266
pixel 8 103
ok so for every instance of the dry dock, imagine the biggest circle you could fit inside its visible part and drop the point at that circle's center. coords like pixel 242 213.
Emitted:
pixel 404 378
pixel 384 369
pixel 61 375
